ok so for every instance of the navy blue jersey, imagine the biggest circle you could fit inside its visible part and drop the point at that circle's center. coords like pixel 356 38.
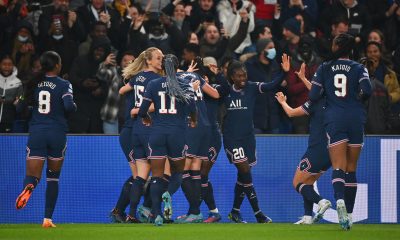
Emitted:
pixel 139 83
pixel 202 117
pixel 317 129
pixel 129 104
pixel 169 114
pixel 213 104
pixel 52 98
pixel 343 82
pixel 239 103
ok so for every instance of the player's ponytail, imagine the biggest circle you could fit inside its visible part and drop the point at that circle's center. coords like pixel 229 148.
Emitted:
pixel 174 89
pixel 345 44
pixel 139 64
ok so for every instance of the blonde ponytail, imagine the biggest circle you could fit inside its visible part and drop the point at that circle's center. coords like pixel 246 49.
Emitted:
pixel 139 64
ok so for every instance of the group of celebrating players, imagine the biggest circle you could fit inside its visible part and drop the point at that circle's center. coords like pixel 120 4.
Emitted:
pixel 171 130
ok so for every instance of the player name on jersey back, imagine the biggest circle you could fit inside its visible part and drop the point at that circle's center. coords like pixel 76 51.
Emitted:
pixel 47 84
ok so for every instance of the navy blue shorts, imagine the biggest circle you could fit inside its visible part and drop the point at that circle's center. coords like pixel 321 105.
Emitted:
pixel 215 145
pixel 197 142
pixel 140 144
pixel 50 144
pixel 241 150
pixel 125 141
pixel 167 145
pixel 351 132
pixel 315 160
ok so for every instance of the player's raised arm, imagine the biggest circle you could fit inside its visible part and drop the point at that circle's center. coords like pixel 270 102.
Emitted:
pixel 126 88
pixel 317 88
pixel 291 112
pixel 68 100
pixel 277 77
pixel 301 74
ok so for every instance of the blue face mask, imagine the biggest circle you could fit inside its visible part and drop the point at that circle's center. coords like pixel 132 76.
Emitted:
pixel 270 54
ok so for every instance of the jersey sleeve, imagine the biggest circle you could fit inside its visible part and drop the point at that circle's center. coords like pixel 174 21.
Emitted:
pixel 277 78
pixel 68 98
pixel 307 107
pixel 365 84
pixel 317 85
pixel 147 99
pixel 132 82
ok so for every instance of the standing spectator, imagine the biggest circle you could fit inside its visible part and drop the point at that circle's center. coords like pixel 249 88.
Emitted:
pixel 176 10
pixel 383 72
pixel 265 11
pixel 264 68
pixel 90 92
pixel 260 32
pixel 306 8
pixel 10 91
pixel 98 29
pixel 213 45
pixel 97 10
pixel 10 12
pixel 23 47
pixel 291 33
pixel 297 91
pixel 201 12
pixel 230 15
pixel 57 22
pixel 324 43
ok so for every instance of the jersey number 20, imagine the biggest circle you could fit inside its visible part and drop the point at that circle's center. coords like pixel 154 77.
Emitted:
pixel 44 102
pixel 340 81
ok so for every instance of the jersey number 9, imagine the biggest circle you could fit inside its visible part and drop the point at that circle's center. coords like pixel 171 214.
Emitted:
pixel 44 102
pixel 340 81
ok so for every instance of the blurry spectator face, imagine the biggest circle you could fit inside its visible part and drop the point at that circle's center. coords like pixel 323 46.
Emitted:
pixel 61 5
pixel 348 3
pixel 134 12
pixel 266 34
pixel 188 56
pixel 374 37
pixel 23 35
pixel 269 52
pixel 126 59
pixel 193 38
pixel 288 34
pixel 212 35
pixel 206 5
pixel 97 4
pixel 156 60
pixel 6 67
pixel 36 67
pixel 99 30
pixel 373 52
pixel 179 12
pixel 99 53
pixel 339 29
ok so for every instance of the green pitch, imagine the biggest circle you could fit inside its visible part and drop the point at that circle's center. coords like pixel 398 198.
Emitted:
pixel 198 231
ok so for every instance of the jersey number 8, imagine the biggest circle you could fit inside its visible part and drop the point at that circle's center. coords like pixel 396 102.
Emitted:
pixel 44 102
pixel 340 81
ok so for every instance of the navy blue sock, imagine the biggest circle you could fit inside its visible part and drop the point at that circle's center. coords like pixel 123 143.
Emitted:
pixel 123 200
pixel 31 180
pixel 248 188
pixel 338 183
pixel 174 183
pixel 187 185
pixel 51 192
pixel 147 196
pixel 166 183
pixel 308 205
pixel 308 192
pixel 238 196
pixel 350 191
pixel 196 191
pixel 135 194
pixel 156 190
pixel 207 193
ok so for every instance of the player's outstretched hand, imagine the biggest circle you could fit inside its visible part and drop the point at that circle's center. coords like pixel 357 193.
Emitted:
pixel 192 67
pixel 301 72
pixel 147 120
pixel 196 85
pixel 280 97
pixel 285 62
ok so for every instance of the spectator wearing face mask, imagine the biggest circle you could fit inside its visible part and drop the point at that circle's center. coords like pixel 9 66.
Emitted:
pixel 263 67
pixel 306 58
pixel 23 47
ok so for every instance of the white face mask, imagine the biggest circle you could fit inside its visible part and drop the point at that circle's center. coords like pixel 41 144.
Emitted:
pixel 22 38
pixel 58 37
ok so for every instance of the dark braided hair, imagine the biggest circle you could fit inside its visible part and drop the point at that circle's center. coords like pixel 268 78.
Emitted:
pixel 345 43
pixel 233 66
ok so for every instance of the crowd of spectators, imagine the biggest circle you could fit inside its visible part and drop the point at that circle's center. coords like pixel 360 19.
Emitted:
pixel 97 38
